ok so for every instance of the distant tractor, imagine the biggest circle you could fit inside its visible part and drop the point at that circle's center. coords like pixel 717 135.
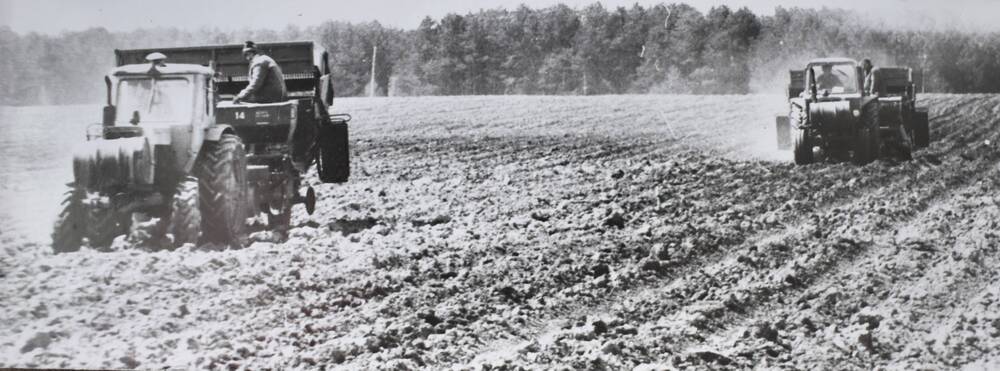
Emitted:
pixel 173 147
pixel 829 111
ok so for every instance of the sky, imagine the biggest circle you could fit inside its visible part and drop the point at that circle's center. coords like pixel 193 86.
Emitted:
pixel 55 16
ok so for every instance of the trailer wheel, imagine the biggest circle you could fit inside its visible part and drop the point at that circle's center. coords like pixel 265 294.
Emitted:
pixel 333 158
pixel 185 216
pixel 222 186
pixel 803 147
pixel 921 130
pixel 70 227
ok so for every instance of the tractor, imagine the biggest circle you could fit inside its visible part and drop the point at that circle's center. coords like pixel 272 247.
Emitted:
pixel 830 111
pixel 174 154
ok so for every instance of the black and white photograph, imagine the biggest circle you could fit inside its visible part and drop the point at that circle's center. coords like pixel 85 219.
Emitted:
pixel 485 185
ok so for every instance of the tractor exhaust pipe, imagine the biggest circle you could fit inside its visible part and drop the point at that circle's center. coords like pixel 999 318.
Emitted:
pixel 109 110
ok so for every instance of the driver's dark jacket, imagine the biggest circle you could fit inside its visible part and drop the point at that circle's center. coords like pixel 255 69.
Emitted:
pixel 267 82
pixel 869 83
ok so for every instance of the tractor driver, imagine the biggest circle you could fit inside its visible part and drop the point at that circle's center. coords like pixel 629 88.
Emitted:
pixel 267 83
pixel 828 80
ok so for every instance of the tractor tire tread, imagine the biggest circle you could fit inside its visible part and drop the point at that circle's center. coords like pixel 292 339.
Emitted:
pixel 70 228
pixel 221 172
pixel 803 151
pixel 185 216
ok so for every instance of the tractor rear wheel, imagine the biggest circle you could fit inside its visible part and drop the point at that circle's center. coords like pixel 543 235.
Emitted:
pixel 70 227
pixel 803 147
pixel 185 217
pixel 222 185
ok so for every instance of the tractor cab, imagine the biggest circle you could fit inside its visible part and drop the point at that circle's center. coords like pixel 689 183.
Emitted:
pixel 168 105
pixel 837 77
pixel 159 94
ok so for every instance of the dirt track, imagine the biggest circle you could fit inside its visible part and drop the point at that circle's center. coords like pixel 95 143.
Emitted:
pixel 563 232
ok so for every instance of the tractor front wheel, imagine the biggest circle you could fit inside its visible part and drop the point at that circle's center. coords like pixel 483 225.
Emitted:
pixel 222 185
pixel 185 217
pixel 803 147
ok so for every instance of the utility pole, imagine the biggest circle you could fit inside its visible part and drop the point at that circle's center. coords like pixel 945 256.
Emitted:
pixel 374 55
pixel 923 68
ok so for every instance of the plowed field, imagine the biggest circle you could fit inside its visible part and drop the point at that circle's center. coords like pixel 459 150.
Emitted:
pixel 627 232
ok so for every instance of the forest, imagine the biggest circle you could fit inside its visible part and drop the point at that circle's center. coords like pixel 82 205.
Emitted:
pixel 661 49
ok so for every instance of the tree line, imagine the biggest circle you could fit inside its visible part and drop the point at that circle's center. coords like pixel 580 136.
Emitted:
pixel 666 48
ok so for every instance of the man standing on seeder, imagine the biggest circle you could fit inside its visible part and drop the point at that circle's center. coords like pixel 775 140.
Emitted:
pixel 267 83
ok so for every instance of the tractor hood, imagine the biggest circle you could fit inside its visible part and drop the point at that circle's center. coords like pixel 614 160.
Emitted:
pixel 832 114
pixel 101 164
